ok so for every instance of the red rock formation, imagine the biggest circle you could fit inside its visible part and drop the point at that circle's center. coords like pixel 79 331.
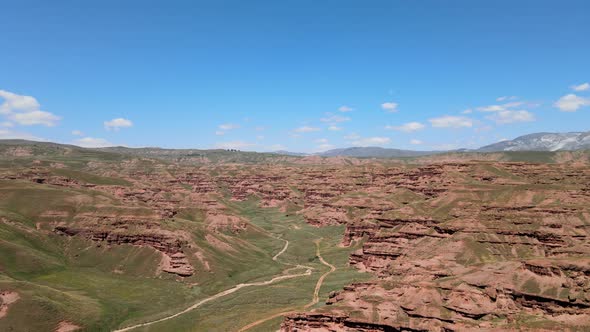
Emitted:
pixel 471 251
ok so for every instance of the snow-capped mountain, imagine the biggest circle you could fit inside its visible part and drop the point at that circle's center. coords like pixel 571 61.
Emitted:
pixel 543 142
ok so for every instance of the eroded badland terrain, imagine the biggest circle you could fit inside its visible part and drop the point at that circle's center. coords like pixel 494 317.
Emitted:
pixel 113 240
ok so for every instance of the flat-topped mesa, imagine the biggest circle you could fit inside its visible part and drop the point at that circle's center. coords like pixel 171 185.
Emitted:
pixel 162 241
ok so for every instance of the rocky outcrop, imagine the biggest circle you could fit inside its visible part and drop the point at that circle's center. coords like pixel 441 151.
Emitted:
pixel 136 232
pixel 465 246
pixel 7 298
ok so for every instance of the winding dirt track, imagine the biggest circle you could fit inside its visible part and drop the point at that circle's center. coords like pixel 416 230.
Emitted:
pixel 316 293
pixel 227 292
pixel 318 285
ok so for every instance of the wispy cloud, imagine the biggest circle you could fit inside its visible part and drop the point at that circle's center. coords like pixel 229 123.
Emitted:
pixel 345 108
pixel 501 107
pixel 333 119
pixel 449 121
pixel 504 98
pixel 9 134
pixel 352 136
pixel 415 141
pixel 372 141
pixel 407 127
pixel 92 142
pixel 390 107
pixel 324 147
pixel 118 123
pixel 581 87
pixel 508 116
pixel 306 129
pixel 229 126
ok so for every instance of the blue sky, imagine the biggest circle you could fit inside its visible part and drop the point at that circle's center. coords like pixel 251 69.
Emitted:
pixel 297 75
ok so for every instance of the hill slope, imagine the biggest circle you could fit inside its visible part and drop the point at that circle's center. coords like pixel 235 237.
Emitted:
pixel 543 142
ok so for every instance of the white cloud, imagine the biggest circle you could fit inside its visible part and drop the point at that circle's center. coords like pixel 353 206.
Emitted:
pixel 502 107
pixel 571 103
pixel 334 128
pixel 92 142
pixel 321 140
pixel 415 141
pixel 35 118
pixel 352 136
pixel 581 87
pixel 77 133
pixel 491 108
pixel 503 98
pixel 407 127
pixel 345 108
pixel 334 118
pixel 118 123
pixel 229 126
pixel 14 102
pixel 25 110
pixel 372 141
pixel 9 134
pixel 219 133
pixel 449 121
pixel 504 117
pixel 6 124
pixel 467 111
pixel 324 147
pixel 306 129
pixel 234 145
pixel 390 107
pixel 482 129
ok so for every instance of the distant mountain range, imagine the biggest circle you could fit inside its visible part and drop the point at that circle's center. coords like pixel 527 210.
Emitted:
pixel 532 142
pixel 543 142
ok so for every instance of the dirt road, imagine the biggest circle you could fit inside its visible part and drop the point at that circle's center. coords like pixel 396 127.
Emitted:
pixel 227 292
pixel 316 293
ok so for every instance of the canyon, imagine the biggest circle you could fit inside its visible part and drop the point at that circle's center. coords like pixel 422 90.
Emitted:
pixel 445 244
